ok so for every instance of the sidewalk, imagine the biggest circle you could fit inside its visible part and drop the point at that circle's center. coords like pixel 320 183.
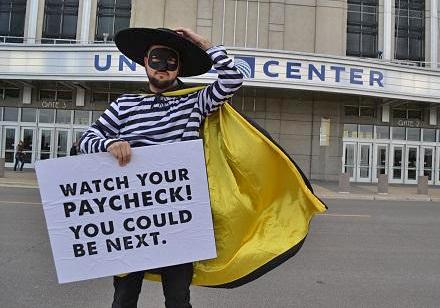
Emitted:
pixel 324 190
pixel 368 191
pixel 23 179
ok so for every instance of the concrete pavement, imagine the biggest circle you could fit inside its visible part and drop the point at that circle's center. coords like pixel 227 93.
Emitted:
pixel 323 189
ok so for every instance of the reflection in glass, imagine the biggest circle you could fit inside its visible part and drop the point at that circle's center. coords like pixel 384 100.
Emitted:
pixel 45 143
pixel 428 163
pixel 350 130
pixel 28 114
pixel 412 163
pixel 28 140
pixel 382 132
pixel 398 133
pixel 349 159
pixel 364 163
pixel 413 134
pixel 63 116
pixel 9 143
pixel 81 117
pixel 429 134
pixel 397 163
pixel 10 114
pixel 62 143
pixel 46 116
pixel 381 159
pixel 366 131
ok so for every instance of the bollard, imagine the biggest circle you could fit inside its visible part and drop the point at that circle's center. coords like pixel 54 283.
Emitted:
pixel 344 183
pixel 422 185
pixel 382 184
pixel 2 167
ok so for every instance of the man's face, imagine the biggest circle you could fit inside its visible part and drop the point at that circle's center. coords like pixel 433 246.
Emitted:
pixel 162 66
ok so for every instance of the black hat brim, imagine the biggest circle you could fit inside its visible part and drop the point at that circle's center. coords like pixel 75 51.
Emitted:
pixel 135 42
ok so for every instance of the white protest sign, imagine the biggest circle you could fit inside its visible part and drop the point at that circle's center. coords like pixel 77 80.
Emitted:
pixel 104 219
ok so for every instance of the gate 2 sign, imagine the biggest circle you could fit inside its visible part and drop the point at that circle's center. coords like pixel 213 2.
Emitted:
pixel 105 220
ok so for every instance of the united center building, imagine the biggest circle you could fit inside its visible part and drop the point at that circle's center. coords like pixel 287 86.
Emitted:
pixel 345 86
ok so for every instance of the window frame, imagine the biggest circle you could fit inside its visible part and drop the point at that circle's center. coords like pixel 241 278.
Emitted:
pixel 117 11
pixel 64 8
pixel 362 28
pixel 408 32
pixel 13 6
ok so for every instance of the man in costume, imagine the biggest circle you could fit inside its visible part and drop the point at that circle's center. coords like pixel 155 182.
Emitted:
pixel 140 120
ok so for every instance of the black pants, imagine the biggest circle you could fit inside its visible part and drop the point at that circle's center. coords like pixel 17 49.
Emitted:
pixel 175 283
pixel 17 162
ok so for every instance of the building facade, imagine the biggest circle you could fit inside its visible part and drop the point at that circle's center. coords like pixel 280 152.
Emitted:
pixel 345 86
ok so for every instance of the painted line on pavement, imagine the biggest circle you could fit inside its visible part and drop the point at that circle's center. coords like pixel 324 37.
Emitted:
pixel 20 202
pixel 345 215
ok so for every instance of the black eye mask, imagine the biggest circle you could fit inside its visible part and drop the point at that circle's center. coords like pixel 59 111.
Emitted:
pixel 163 59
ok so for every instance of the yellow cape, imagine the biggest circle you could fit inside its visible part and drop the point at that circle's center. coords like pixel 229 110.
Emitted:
pixel 261 202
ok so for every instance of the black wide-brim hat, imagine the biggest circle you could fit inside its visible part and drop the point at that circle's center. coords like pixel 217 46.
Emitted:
pixel 135 42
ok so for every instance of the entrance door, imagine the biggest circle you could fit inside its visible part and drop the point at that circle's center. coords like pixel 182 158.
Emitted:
pixel 348 159
pixel 396 163
pixel 45 138
pixel 412 164
pixel 61 143
pixel 427 163
pixel 28 137
pixel 380 160
pixel 364 162
pixel 9 140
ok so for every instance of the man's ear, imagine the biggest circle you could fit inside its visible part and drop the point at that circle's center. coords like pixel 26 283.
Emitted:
pixel 145 61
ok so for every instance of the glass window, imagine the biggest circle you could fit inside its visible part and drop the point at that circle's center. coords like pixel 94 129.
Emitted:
pixel 413 134
pixel 382 132
pixel 28 114
pixel 399 113
pixel 112 16
pixel 10 114
pixel 114 96
pixel 64 95
pixel 429 134
pixel 1 113
pixel 12 93
pixel 350 130
pixel 410 30
pixel 415 114
pixel 46 116
pixel 351 111
pixel 367 111
pixel 60 19
pixel 47 95
pixel 12 17
pixel 81 117
pixel 63 116
pixel 366 131
pixel 362 25
pixel 100 97
pixel 398 133
pixel 96 115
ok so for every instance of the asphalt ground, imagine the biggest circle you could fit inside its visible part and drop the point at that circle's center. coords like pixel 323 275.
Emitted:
pixel 361 253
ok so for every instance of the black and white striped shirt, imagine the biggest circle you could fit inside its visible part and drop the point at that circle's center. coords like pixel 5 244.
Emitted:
pixel 155 119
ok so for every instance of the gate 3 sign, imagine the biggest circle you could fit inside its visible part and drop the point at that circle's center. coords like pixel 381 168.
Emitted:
pixel 104 219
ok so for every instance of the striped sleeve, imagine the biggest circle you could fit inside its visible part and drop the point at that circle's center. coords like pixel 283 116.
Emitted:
pixel 103 132
pixel 228 82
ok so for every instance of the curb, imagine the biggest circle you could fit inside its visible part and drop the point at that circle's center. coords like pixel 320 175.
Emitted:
pixel 349 196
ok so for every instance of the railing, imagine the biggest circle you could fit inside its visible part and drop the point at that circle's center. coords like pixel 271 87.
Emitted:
pixel 44 40
pixel 23 40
